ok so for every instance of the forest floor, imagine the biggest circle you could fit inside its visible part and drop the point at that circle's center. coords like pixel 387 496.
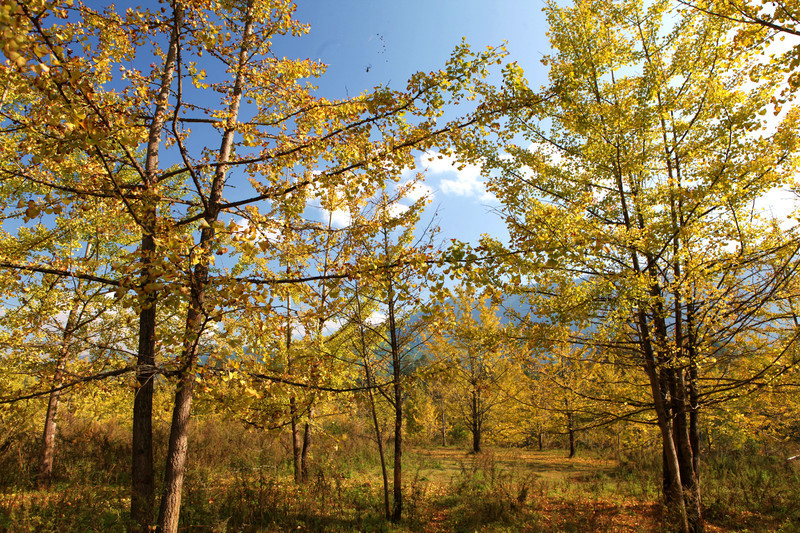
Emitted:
pixel 445 489
pixel 557 493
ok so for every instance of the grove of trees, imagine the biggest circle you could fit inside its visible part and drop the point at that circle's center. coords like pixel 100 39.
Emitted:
pixel 182 211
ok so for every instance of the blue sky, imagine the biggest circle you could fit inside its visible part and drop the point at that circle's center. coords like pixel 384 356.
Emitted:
pixel 368 43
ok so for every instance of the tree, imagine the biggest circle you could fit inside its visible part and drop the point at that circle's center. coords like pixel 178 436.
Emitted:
pixel 84 105
pixel 469 343
pixel 398 262
pixel 631 209
pixel 70 97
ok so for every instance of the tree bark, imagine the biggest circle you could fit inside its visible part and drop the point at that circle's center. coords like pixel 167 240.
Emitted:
pixel 476 423
pixel 571 431
pixel 398 408
pixel 142 475
pixel 169 512
pixel 673 489
pixel 307 430
pixel 195 317
pixel 379 440
pixel 45 474
pixel 444 430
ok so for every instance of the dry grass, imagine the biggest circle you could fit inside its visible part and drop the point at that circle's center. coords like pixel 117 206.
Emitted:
pixel 241 481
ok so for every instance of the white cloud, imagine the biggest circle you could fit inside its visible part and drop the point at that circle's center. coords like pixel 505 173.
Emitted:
pixel 467 180
pixel 339 218
pixel 415 190
pixel 376 318
pixel 333 325
pixel 266 233
pixel 779 203
pixel 394 209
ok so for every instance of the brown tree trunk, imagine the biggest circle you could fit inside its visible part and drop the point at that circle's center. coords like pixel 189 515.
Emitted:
pixel 45 474
pixel 169 511
pixel 675 505
pixel 444 430
pixel 142 476
pixel 398 409
pixel 571 431
pixel 379 440
pixel 475 426
pixel 307 430
pixel 297 443
pixel 398 451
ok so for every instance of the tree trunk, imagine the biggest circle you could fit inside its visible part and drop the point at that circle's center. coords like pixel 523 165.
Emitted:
pixel 398 406
pixel 306 447
pixel 475 425
pixel 142 476
pixel 444 430
pixel 398 451
pixel 169 511
pixel 297 444
pixel 571 431
pixel 175 471
pixel 675 506
pixel 379 440
pixel 691 489
pixel 45 474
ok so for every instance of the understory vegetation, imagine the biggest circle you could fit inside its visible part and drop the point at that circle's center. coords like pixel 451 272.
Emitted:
pixel 241 480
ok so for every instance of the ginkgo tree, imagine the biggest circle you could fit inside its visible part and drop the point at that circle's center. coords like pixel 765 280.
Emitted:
pixel 468 344
pixel 163 144
pixel 397 260
pixel 628 186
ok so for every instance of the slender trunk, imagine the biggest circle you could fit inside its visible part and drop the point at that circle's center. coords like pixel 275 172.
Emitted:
pixel 571 431
pixel 49 434
pixel 297 444
pixel 142 476
pixel 195 318
pixel 45 474
pixel 398 452
pixel 398 410
pixel 694 395
pixel 541 440
pixel 444 430
pixel 306 447
pixel 475 426
pixel 379 440
pixel 673 488
pixel 169 512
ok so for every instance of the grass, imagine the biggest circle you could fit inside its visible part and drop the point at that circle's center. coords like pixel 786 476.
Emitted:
pixel 240 480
